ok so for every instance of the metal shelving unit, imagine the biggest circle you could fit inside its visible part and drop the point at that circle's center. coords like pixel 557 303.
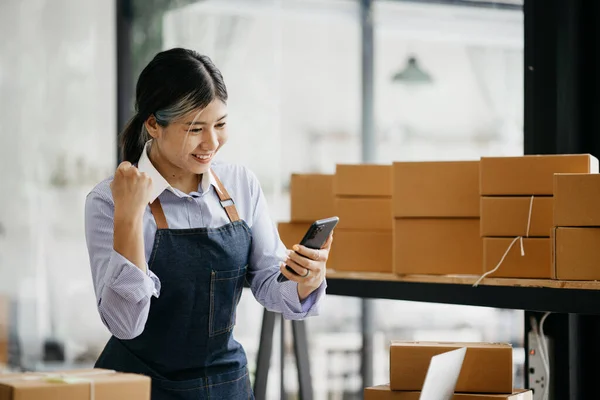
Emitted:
pixel 575 307
pixel 516 294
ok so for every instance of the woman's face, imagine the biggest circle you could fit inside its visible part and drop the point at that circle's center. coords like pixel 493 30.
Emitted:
pixel 191 142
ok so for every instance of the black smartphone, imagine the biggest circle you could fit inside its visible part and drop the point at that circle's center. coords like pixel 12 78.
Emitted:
pixel 315 238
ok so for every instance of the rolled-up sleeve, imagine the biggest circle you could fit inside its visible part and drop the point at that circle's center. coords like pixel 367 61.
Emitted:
pixel 123 291
pixel 266 254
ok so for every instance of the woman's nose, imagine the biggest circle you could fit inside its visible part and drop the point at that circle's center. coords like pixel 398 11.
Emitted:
pixel 210 140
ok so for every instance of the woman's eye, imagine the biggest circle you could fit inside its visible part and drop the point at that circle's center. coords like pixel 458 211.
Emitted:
pixel 221 125
pixel 196 130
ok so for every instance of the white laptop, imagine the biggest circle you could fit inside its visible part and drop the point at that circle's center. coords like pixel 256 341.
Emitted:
pixel 442 375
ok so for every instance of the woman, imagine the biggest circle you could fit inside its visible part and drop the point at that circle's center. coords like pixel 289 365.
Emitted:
pixel 170 249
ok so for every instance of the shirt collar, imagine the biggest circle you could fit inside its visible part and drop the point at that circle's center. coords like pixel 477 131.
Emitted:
pixel 160 184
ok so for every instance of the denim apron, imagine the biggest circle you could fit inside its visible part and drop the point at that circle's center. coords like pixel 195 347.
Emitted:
pixel 187 346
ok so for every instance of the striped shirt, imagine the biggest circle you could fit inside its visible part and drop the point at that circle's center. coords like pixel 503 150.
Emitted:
pixel 123 291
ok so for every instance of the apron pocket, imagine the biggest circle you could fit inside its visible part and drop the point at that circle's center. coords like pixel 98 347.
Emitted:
pixel 225 292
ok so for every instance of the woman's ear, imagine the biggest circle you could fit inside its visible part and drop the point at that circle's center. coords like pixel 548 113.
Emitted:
pixel 152 126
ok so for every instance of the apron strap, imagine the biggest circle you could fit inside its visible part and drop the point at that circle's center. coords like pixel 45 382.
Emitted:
pixel 226 200
pixel 159 214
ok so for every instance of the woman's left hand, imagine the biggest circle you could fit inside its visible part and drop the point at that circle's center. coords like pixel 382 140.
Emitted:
pixel 309 264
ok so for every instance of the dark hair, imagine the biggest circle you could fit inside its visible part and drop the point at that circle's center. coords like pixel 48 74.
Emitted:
pixel 174 83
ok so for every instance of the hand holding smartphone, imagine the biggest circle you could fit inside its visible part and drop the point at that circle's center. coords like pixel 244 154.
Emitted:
pixel 315 238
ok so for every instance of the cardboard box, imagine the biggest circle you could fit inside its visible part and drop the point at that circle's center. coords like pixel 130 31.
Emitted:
pixel 487 367
pixel 291 233
pixel 362 251
pixel 107 385
pixel 536 263
pixel 437 246
pixel 509 216
pixel 311 197
pixel 384 392
pixel 436 189
pixel 363 180
pixel 577 200
pixel 530 175
pixel 3 353
pixel 364 213
pixel 577 254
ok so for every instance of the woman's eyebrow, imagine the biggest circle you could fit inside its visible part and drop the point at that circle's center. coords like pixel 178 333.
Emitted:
pixel 204 123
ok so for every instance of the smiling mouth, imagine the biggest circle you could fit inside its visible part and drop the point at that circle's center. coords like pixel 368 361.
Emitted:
pixel 203 157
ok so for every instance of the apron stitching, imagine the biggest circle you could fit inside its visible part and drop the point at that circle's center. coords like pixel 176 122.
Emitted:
pixel 208 386
pixel 231 381
pixel 228 279
pixel 190 233
pixel 154 249
pixel 231 323
pixel 247 229
pixel 234 302
pixel 212 302
pixel 205 231
pixel 215 333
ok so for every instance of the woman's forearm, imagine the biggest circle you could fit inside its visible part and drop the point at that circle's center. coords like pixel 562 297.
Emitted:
pixel 128 238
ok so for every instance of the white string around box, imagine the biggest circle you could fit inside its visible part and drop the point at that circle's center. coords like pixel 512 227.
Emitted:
pixel 519 238
pixel 53 377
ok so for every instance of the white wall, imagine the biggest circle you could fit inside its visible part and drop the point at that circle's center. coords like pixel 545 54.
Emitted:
pixel 57 140
pixel 292 68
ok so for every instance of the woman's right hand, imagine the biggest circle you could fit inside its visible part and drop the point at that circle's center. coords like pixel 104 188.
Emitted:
pixel 131 190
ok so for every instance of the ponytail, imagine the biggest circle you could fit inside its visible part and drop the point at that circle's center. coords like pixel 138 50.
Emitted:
pixel 132 139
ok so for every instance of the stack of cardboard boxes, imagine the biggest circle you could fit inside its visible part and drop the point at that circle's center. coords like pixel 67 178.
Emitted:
pixel 486 372
pixel 436 218
pixel 363 202
pixel 516 208
pixel 311 197
pixel 577 226
pixel 449 218
pixel 94 384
